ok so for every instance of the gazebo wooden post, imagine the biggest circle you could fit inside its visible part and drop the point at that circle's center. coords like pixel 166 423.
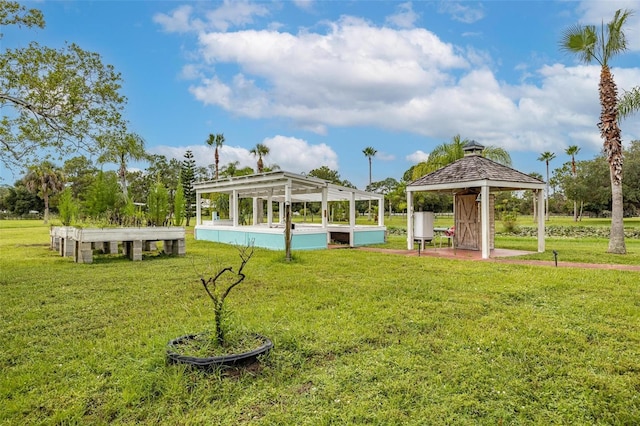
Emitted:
pixel 541 217
pixel 409 219
pixel 485 229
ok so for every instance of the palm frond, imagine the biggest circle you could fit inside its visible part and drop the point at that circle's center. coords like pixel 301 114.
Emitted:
pixel 629 103
pixel 580 40
pixel 616 41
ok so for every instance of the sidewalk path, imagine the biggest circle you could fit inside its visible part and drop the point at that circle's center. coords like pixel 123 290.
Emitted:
pixel 503 256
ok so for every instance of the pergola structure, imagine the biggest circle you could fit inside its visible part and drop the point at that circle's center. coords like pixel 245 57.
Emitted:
pixel 284 188
pixel 472 179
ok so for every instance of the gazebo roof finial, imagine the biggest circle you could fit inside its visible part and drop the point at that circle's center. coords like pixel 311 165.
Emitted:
pixel 472 148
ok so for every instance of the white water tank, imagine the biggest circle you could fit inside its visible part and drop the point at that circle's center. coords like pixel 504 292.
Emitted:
pixel 423 226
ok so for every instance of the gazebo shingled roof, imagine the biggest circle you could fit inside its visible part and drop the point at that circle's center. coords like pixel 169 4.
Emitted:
pixel 474 168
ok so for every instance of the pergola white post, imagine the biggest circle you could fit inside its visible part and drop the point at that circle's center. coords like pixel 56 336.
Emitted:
pixel 484 221
pixel 270 209
pixel 381 211
pixel 234 207
pixel 255 210
pixel 409 220
pixel 541 217
pixel 198 209
pixel 324 213
pixel 281 212
pixel 352 219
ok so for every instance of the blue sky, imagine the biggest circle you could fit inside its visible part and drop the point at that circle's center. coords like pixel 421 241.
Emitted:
pixel 318 81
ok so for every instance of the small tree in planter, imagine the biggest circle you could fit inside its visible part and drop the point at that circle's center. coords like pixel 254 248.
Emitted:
pixel 218 293
pixel 218 287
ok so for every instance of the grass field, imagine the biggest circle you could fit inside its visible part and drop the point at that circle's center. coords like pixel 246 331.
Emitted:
pixel 360 338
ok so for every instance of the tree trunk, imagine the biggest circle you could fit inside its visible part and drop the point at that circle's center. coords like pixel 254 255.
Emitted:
pixel 616 238
pixel 610 133
pixel 46 207
pixel 217 160
pixel 575 211
pixel 123 180
pixel 581 207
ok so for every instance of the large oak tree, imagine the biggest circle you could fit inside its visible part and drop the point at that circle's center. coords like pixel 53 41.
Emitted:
pixel 54 101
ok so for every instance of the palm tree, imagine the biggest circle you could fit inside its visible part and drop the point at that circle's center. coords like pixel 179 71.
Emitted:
pixel 119 149
pixel 601 45
pixel 44 179
pixel 535 198
pixel 572 151
pixel 260 151
pixel 231 169
pixel 449 152
pixel 218 141
pixel 369 152
pixel 629 103
pixel 211 141
pixel 546 157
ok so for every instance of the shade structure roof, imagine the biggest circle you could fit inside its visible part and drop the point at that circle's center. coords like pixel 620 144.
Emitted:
pixel 474 171
pixel 273 184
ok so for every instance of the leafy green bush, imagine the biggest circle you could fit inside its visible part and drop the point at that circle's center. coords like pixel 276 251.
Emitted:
pixel 571 231
pixel 67 207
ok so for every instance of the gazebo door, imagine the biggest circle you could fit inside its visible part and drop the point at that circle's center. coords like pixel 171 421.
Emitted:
pixel 467 224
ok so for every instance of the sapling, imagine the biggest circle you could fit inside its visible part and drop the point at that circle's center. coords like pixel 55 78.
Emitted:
pixel 218 292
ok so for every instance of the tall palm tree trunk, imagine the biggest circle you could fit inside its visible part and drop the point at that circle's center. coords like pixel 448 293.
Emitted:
pixel 369 188
pixel 547 195
pixel 610 132
pixel 46 207
pixel 217 160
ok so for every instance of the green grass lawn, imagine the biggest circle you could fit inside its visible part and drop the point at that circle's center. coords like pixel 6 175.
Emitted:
pixel 360 338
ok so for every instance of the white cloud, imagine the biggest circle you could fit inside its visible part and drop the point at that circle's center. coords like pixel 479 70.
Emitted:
pixel 232 13
pixel 462 12
pixel 179 21
pixel 417 157
pixel 349 75
pixel 405 17
pixel 298 155
pixel 357 74
pixel 384 156
pixel 292 154
pixel 304 4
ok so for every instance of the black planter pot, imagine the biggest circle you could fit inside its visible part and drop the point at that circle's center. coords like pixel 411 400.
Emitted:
pixel 234 360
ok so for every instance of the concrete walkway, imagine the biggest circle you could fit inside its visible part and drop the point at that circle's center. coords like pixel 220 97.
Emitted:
pixel 500 256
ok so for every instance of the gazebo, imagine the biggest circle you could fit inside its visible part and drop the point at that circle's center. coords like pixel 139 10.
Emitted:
pixel 473 180
pixel 279 189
